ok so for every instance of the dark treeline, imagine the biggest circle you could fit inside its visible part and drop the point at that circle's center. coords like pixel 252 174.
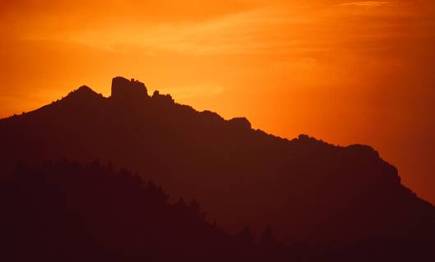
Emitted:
pixel 66 211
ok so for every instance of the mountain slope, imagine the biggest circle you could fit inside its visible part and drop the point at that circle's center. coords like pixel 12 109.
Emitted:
pixel 307 190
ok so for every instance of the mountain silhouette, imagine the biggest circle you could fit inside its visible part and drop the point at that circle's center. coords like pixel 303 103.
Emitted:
pixel 307 190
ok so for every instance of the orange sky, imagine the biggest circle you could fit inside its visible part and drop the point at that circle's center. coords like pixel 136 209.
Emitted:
pixel 346 72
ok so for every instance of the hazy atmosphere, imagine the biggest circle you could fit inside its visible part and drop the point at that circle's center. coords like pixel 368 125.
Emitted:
pixel 344 72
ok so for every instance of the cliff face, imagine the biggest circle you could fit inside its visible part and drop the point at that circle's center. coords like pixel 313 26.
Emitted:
pixel 306 189
pixel 124 90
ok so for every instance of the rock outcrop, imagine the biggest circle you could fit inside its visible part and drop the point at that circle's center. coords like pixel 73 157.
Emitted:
pixel 124 89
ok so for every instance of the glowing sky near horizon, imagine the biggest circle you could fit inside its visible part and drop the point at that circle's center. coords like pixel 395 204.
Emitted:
pixel 343 71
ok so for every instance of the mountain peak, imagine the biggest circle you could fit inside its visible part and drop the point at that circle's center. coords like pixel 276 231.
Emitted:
pixel 83 92
pixel 123 88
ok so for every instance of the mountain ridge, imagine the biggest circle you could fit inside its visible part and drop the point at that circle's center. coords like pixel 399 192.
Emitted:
pixel 86 93
pixel 305 188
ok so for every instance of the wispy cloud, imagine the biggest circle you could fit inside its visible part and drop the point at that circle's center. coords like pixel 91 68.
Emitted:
pixel 276 31
pixel 229 34
pixel 366 4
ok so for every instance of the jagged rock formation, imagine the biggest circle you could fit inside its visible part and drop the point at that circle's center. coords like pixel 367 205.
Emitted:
pixel 124 90
pixel 306 189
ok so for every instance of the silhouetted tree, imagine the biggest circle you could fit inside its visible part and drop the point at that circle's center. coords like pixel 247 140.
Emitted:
pixel 266 238
pixel 246 235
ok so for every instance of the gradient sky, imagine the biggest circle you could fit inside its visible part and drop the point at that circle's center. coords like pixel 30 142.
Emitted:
pixel 346 72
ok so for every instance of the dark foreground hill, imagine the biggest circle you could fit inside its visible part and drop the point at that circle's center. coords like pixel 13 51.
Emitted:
pixel 307 190
pixel 65 211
